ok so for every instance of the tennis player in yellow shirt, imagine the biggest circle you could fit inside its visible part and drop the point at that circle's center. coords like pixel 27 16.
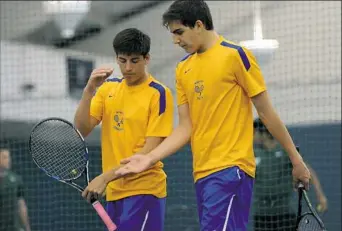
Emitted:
pixel 217 84
pixel 136 112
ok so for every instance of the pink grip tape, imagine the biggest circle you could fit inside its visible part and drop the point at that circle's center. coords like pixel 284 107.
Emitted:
pixel 104 216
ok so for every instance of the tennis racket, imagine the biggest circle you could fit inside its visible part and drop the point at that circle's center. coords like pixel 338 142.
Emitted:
pixel 59 149
pixel 310 220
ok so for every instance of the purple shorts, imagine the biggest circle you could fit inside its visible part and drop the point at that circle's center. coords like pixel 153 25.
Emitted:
pixel 224 200
pixel 138 213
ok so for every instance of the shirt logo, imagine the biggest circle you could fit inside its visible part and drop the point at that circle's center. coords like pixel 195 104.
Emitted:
pixel 199 87
pixel 119 120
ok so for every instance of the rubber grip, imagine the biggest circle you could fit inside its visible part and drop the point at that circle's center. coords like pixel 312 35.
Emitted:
pixel 104 216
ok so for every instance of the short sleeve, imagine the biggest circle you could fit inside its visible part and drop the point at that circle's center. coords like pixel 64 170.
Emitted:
pixel 248 73
pixel 181 96
pixel 160 123
pixel 97 102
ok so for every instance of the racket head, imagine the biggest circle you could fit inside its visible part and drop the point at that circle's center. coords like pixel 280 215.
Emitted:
pixel 308 222
pixel 58 149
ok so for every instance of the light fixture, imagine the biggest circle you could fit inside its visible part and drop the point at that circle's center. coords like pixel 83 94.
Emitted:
pixel 67 14
pixel 263 49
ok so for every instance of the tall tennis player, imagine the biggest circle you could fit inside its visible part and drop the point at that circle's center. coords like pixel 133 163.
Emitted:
pixel 217 84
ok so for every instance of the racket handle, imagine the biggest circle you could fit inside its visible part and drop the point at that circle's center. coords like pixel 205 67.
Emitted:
pixel 300 186
pixel 104 216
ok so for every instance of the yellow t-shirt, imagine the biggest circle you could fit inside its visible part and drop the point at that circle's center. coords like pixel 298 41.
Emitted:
pixel 218 85
pixel 129 114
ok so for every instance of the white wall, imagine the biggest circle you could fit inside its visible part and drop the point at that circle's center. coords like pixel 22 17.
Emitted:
pixel 20 17
pixel 304 76
pixel 164 53
pixel 46 69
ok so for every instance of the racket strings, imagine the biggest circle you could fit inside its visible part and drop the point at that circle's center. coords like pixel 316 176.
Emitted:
pixel 57 148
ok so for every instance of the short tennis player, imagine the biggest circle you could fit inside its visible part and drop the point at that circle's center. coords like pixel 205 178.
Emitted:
pixel 136 112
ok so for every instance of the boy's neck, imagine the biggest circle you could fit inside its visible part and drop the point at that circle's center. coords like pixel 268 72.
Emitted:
pixel 138 81
pixel 209 40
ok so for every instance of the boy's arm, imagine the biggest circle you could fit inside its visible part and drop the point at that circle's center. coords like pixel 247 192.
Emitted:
pixel 151 143
pixel 83 120
pixel 97 186
pixel 179 137
pixel 278 130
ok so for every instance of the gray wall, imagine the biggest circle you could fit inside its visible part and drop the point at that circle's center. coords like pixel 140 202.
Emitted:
pixel 304 76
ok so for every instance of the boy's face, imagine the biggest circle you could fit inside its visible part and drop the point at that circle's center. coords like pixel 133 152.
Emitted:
pixel 132 66
pixel 186 37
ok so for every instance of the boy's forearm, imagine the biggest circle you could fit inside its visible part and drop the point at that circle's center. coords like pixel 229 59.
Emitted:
pixel 179 137
pixel 82 115
pixel 111 176
pixel 150 144
pixel 278 130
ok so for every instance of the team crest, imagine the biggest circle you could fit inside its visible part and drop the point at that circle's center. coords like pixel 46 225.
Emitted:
pixel 199 87
pixel 119 121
